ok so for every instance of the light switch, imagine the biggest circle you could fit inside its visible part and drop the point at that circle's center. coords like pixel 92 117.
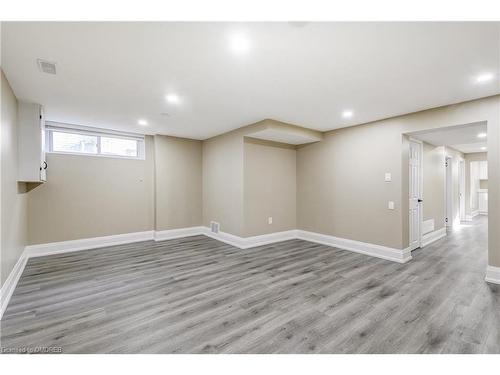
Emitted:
pixel 270 220
pixel 388 177
pixel 391 205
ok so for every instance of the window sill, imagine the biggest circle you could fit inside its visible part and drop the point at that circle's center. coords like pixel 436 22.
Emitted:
pixel 96 155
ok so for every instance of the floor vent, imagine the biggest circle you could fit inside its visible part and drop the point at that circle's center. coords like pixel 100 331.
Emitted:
pixel 214 226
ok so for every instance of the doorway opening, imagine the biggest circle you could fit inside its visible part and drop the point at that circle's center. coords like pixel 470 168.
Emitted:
pixel 447 181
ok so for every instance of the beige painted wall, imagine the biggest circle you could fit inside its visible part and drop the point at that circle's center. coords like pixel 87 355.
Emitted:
pixel 341 188
pixel 269 187
pixel 91 196
pixel 14 222
pixel 434 184
pixel 223 182
pixel 178 183
pixel 227 194
pixel 477 156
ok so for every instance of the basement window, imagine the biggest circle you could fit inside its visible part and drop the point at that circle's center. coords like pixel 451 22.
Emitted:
pixel 78 140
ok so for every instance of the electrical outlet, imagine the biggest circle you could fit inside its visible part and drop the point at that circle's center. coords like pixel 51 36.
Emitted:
pixel 270 220
pixel 214 227
pixel 391 205
pixel 388 177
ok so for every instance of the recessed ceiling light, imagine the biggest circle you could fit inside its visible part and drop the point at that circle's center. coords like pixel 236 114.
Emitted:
pixel 239 43
pixel 142 122
pixel 172 98
pixel 485 77
pixel 482 135
pixel 347 114
pixel 483 148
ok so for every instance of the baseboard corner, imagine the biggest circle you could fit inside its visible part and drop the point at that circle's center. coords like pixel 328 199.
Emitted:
pixel 493 275
pixel 253 241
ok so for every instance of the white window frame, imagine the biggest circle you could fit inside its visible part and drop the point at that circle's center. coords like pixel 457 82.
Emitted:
pixel 51 127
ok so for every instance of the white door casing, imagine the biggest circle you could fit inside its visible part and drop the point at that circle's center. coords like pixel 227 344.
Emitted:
pixel 415 194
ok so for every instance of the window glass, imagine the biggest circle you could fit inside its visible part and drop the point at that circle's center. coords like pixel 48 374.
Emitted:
pixel 99 143
pixel 118 146
pixel 70 142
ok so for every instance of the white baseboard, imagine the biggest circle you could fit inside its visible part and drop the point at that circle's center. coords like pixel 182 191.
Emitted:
pixel 396 255
pixel 427 226
pixel 431 237
pixel 86 243
pixel 384 252
pixel 248 242
pixel 493 274
pixel 10 283
pixel 471 216
pixel 171 234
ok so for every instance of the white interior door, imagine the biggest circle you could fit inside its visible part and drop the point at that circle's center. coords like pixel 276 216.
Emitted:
pixel 461 188
pixel 415 190
pixel 474 185
pixel 449 192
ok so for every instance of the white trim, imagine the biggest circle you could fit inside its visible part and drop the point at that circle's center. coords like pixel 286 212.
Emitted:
pixel 178 233
pixel 51 127
pixel 86 243
pixel 387 253
pixel 89 130
pixel 254 241
pixel 112 156
pixel 10 283
pixel 471 216
pixel 421 188
pixel 431 237
pixel 493 274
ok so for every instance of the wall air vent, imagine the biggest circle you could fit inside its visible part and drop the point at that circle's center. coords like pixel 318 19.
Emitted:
pixel 214 227
pixel 46 66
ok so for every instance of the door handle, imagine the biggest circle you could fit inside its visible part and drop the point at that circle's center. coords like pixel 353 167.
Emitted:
pixel 420 200
pixel 44 165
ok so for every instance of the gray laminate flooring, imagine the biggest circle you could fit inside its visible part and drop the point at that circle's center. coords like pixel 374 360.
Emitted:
pixel 198 295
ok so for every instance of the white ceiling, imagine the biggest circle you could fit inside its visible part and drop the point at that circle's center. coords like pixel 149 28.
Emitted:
pixel 463 138
pixel 471 147
pixel 112 74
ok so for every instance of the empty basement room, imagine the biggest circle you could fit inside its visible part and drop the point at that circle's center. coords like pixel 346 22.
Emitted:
pixel 250 188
